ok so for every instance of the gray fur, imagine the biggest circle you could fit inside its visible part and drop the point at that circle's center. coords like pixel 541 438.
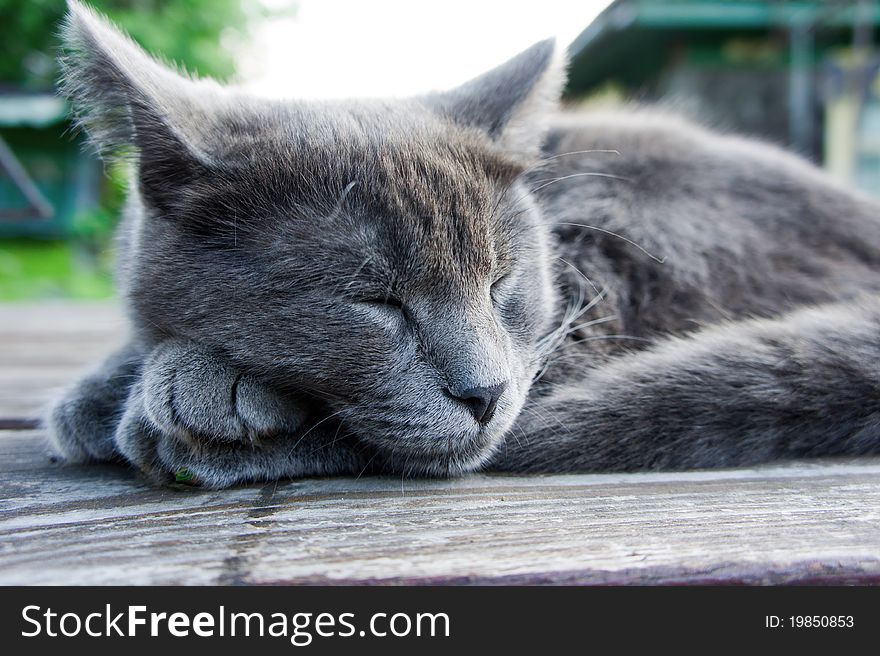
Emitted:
pixel 312 285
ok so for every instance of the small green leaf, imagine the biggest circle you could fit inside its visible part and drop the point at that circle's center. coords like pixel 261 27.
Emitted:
pixel 183 476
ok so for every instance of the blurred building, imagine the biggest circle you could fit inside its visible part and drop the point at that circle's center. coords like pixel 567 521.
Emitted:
pixel 801 73
pixel 46 178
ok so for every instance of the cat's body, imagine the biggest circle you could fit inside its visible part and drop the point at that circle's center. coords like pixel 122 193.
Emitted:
pixel 738 320
pixel 466 280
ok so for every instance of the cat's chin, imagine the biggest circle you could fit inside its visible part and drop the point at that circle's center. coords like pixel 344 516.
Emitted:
pixel 449 456
pixel 441 464
pixel 443 441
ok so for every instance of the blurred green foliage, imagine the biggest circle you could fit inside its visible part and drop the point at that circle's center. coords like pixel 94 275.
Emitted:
pixel 203 36
pixel 200 34
pixel 35 269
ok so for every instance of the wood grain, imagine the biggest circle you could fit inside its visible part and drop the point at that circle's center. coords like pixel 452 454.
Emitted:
pixel 46 346
pixel 797 522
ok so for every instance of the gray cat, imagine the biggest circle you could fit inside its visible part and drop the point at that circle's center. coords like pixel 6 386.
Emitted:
pixel 464 280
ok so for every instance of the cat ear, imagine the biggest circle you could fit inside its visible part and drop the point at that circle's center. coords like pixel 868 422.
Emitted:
pixel 124 98
pixel 512 102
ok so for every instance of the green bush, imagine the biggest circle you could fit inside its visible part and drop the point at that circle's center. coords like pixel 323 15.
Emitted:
pixel 194 33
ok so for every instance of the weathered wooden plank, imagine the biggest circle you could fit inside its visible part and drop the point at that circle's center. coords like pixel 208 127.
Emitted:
pixel 104 525
pixel 24 399
pixel 44 347
pixel 55 318
pixel 24 450
pixel 62 351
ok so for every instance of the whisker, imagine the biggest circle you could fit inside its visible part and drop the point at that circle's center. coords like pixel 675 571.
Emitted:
pixel 579 272
pixel 589 306
pixel 606 231
pixel 594 322
pixel 583 174
pixel 545 160
pixel 336 438
pixel 543 184
pixel 325 419
pixel 594 338
pixel 551 342
pixel 556 356
pixel 609 151
pixel 543 416
pixel 613 234
pixel 373 457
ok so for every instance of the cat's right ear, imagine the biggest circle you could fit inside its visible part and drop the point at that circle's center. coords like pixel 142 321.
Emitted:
pixel 123 98
pixel 511 103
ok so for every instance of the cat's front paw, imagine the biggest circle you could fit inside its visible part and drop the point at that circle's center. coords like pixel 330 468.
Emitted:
pixel 82 421
pixel 190 394
pixel 167 457
pixel 189 411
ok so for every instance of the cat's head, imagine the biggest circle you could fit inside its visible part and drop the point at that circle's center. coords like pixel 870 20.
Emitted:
pixel 385 257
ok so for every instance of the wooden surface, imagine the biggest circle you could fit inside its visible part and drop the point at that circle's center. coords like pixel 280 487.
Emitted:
pixel 44 347
pixel 798 522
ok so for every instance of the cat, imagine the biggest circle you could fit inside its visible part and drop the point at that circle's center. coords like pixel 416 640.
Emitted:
pixel 466 280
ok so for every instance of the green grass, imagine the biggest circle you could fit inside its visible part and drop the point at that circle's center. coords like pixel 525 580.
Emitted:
pixel 37 270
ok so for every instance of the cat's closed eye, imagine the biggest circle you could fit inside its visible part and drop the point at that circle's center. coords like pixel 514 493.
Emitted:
pixel 499 286
pixel 386 304
pixel 388 301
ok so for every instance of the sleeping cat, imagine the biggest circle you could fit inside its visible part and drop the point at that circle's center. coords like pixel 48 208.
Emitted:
pixel 465 280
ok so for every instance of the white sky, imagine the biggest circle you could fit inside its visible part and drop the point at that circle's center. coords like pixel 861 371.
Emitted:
pixel 340 48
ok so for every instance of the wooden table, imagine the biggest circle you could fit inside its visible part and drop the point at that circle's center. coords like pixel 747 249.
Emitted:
pixel 797 522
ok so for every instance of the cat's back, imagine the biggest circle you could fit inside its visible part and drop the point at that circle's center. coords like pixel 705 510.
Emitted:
pixel 645 157
pixel 734 221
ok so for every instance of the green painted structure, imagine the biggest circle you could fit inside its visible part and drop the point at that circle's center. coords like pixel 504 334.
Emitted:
pixel 46 177
pixel 624 41
pixel 782 70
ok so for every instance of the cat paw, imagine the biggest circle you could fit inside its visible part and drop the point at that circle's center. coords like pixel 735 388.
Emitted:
pixel 191 395
pixel 166 459
pixel 81 422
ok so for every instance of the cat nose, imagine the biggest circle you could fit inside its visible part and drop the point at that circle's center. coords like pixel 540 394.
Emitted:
pixel 481 400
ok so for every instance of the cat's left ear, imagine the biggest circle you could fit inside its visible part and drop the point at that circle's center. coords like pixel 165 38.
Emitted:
pixel 124 98
pixel 513 102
